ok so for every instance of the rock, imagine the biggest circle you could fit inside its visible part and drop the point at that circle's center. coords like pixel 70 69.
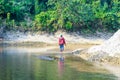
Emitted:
pixel 110 48
pixel 1 38
pixel 46 58
pixel 77 51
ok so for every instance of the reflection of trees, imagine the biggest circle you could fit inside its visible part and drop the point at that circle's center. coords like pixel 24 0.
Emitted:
pixel 44 70
pixel 18 66
pixel 15 67
pixel 36 69
pixel 4 69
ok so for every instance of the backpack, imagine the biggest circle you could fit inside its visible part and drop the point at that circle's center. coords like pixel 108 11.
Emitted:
pixel 61 41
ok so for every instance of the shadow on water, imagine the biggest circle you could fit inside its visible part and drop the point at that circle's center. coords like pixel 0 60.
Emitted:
pixel 21 65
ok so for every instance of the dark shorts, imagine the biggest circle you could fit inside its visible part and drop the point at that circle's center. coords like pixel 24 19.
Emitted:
pixel 61 47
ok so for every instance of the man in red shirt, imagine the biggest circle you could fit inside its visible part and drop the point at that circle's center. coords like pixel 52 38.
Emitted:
pixel 62 43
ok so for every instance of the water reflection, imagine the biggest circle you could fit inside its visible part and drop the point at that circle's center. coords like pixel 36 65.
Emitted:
pixel 1 50
pixel 61 66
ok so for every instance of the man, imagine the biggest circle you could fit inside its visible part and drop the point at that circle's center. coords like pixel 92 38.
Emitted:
pixel 62 43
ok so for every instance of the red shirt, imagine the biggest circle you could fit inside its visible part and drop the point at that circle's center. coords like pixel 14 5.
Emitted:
pixel 61 40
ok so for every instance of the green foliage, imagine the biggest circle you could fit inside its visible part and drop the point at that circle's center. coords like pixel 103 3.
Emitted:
pixel 0 21
pixel 52 15
pixel 109 18
pixel 46 20
pixel 68 25
pixel 40 6
pixel 36 6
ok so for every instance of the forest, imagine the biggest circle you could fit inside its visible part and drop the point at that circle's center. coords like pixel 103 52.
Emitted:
pixel 53 15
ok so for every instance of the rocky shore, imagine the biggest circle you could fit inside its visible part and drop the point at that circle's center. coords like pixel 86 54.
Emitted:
pixel 109 51
pixel 53 38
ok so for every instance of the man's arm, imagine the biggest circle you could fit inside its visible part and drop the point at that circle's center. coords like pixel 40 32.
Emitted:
pixel 64 41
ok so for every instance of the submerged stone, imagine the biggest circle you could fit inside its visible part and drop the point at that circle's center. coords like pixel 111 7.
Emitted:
pixel 45 58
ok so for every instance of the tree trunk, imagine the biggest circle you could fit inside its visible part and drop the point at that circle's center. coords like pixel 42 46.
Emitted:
pixel 1 32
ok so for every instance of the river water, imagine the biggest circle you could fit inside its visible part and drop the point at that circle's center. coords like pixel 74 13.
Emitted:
pixel 18 64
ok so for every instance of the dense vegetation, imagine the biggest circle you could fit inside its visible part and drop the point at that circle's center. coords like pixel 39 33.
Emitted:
pixel 52 15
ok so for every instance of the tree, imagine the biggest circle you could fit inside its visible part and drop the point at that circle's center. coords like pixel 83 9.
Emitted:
pixel 109 2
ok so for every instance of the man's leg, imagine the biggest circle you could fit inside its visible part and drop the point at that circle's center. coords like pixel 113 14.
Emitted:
pixel 61 47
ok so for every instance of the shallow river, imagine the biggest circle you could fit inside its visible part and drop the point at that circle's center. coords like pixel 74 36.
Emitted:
pixel 18 64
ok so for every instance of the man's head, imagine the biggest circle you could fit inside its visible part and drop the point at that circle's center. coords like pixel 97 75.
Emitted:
pixel 61 35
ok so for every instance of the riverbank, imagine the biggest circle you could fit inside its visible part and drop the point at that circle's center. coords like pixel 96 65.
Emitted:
pixel 76 37
pixel 74 40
